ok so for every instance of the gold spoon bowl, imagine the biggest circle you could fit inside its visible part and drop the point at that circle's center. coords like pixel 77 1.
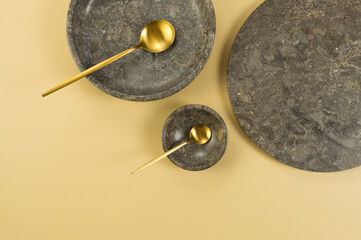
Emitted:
pixel 156 37
pixel 199 134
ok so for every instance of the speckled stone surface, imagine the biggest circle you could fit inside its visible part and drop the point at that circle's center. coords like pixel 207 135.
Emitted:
pixel 176 130
pixel 294 81
pixel 99 29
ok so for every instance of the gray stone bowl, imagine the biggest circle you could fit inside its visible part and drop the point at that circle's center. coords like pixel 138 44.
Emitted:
pixel 99 29
pixel 176 130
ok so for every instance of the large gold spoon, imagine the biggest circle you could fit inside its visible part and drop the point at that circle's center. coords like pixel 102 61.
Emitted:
pixel 156 37
pixel 200 134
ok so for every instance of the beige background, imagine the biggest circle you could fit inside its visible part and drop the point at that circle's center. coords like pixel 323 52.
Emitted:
pixel 65 161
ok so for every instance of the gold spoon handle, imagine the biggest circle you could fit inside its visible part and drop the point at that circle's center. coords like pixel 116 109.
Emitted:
pixel 89 71
pixel 160 157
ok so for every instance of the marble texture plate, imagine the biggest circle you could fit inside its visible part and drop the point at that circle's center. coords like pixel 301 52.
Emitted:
pixel 176 130
pixel 294 82
pixel 99 29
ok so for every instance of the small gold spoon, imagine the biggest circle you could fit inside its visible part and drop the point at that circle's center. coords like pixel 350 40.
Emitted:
pixel 200 134
pixel 156 37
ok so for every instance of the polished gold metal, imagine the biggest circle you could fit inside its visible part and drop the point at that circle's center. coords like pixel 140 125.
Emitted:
pixel 156 37
pixel 200 134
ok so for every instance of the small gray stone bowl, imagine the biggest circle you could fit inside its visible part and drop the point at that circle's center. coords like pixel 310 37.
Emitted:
pixel 176 130
pixel 99 29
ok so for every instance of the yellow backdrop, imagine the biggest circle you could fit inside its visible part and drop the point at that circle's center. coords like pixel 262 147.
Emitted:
pixel 65 161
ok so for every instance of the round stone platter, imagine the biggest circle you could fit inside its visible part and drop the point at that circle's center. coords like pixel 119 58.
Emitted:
pixel 99 29
pixel 176 130
pixel 294 80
